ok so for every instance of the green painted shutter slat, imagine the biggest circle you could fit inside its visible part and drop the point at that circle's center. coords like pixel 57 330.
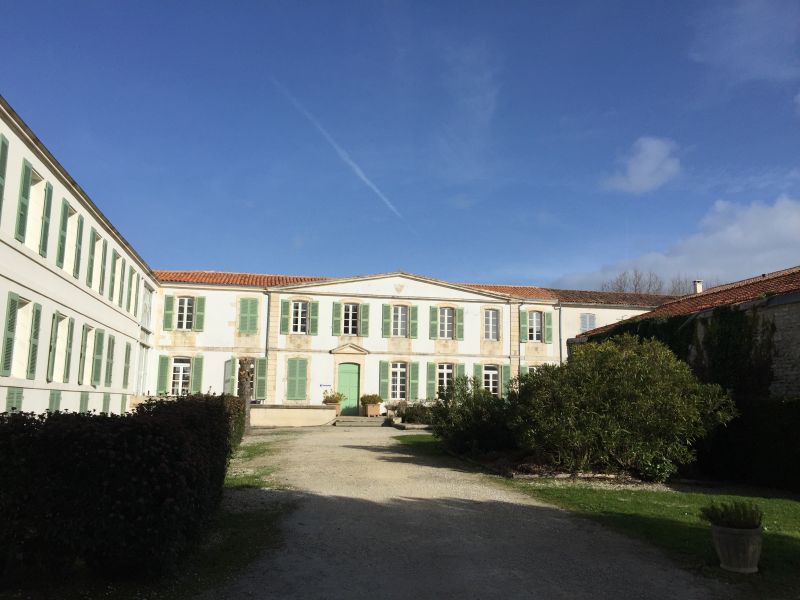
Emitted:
pixel 76 267
pixel 169 312
pixel 126 372
pixel 231 380
pixel 90 263
pixel 106 403
pixel 363 320
pixel 284 317
pixel 461 370
pixel 112 283
pixel 24 199
pixel 302 375
pixel 103 257
pixel 291 379
pixel 82 357
pixel 163 374
pixel 68 357
pixel 97 357
pixel 296 379
pixel 225 376
pixel 386 320
pixel 136 296
pixel 121 295
pixel 14 399
pixel 243 317
pixel 44 235
pixel 413 314
pixel 336 321
pixel 3 165
pixel 130 289
pixel 63 223
pixel 523 370
pixel 433 325
pixel 548 327
pixel 383 380
pixel 477 375
pixel 506 378
pixel 9 333
pixel 110 360
pixel 123 404
pixel 196 386
pixel 313 318
pixel 523 325
pixel 83 407
pixel 254 302
pixel 459 323
pixel 413 381
pixel 51 350
pixel 261 379
pixel 36 321
pixel 199 313
pixel 430 381
pixel 54 402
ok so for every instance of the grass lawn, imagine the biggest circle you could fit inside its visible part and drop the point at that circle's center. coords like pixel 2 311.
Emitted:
pixel 421 443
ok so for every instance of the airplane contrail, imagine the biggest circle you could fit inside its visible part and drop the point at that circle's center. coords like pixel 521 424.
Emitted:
pixel 357 170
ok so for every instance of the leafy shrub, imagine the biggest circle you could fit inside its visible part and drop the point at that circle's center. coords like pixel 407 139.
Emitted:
pixel 371 399
pixel 416 412
pixel 469 418
pixel 739 514
pixel 118 493
pixel 331 397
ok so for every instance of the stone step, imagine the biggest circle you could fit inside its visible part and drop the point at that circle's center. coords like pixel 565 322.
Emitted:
pixel 359 422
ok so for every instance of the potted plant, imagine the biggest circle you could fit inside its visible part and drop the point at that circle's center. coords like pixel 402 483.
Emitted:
pixel 371 404
pixel 736 532
pixel 331 397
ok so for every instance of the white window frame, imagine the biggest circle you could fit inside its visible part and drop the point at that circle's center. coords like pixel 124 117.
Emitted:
pixel 147 306
pixel 299 316
pixel 588 321
pixel 491 324
pixel 491 379
pixel 22 337
pixel 447 323
pixel 535 332
pixel 181 376
pixel 400 320
pixel 445 374
pixel 350 314
pixel 185 313
pixel 398 381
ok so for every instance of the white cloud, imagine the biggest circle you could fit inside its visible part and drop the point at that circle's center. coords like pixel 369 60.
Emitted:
pixel 750 40
pixel 734 241
pixel 651 164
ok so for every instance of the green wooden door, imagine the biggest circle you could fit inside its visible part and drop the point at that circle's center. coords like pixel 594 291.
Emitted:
pixel 347 384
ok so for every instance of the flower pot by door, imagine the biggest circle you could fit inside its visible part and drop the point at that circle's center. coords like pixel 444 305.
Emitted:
pixel 372 410
pixel 738 549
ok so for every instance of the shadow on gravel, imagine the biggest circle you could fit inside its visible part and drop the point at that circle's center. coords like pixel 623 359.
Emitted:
pixel 399 453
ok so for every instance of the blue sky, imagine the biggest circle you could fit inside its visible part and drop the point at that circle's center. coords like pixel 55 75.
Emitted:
pixel 519 142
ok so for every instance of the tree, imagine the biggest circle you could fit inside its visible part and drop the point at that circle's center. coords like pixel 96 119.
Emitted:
pixel 636 282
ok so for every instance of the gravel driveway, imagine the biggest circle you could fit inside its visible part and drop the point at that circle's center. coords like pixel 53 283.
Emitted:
pixel 376 521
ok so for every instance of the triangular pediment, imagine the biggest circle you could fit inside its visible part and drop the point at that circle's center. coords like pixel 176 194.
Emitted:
pixel 349 349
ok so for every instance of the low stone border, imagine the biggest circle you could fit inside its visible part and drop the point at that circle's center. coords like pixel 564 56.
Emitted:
pixel 411 426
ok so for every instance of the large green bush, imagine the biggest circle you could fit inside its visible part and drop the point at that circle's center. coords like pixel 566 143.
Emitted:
pixel 120 494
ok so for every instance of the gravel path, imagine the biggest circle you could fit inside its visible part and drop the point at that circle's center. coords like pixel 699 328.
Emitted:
pixel 375 521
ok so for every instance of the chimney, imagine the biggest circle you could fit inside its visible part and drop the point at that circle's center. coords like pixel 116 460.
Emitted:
pixel 698 286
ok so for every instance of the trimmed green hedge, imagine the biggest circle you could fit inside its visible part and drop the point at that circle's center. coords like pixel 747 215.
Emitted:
pixel 120 495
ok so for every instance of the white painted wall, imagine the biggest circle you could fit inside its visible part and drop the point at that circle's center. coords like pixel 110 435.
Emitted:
pixel 604 315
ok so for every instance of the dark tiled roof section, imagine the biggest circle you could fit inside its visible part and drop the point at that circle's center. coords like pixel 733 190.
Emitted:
pixel 575 296
pixel 236 279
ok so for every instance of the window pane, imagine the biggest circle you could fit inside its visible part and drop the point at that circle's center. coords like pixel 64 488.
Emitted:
pixel 299 317
pixel 400 321
pixel 350 325
pixel 446 325
pixel 491 381
pixel 398 391
pixel 181 368
pixel 535 326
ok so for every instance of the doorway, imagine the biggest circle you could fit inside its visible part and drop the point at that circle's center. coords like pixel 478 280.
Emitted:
pixel 347 384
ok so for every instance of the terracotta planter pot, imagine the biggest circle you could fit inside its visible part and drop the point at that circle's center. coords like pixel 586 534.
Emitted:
pixel 372 410
pixel 738 549
pixel 338 408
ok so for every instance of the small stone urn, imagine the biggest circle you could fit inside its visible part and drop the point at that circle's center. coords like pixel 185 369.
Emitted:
pixel 739 550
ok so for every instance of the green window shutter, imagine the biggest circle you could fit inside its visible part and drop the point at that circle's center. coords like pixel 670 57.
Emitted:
pixel 54 402
pixel 76 267
pixel 461 370
pixel 46 209
pixel 284 317
pixel 253 315
pixel 412 322
pixel 302 375
pixel 523 325
pixel 433 326
pixel 386 320
pixel 68 357
pixel 291 379
pixel 243 315
pixel 97 357
pixel 36 322
pixel 523 370
pixel 83 407
pixel 363 320
pixel 126 371
pixel 130 289
pixel 90 263
pixel 383 380
pixel 459 323
pixel 61 250
pixel 123 404
pixel 430 381
pixel 14 399
pixel 3 165
pixel 336 320
pixel 413 381
pixel 163 375
pixel 230 376
pixel 113 281
pixel 506 378
pixel 136 297
pixel 548 327
pixel 51 351
pixel 82 357
pixel 261 379
pixel 226 376
pixel 296 379
pixel 106 403
pixel 313 318
pixel 9 333
pixel 196 384
pixel 103 256
pixel 24 199
pixel 199 313
pixel 477 375
pixel 110 361
pixel 169 312
pixel 121 284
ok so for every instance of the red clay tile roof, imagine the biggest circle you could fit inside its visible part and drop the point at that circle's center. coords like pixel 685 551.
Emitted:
pixel 241 279
pixel 519 291
pixel 575 296
pixel 746 290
